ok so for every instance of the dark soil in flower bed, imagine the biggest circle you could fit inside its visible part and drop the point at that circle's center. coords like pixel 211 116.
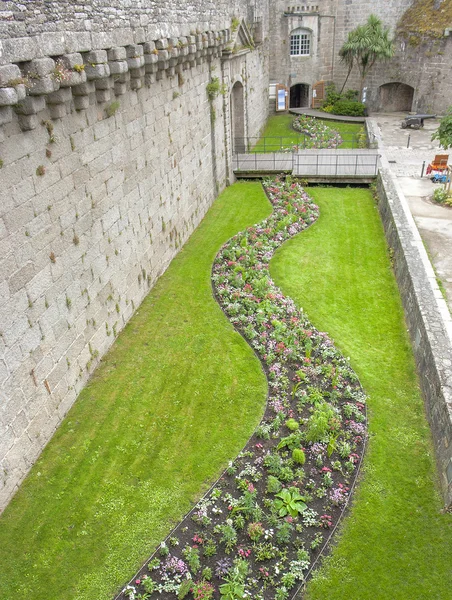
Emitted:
pixel 260 528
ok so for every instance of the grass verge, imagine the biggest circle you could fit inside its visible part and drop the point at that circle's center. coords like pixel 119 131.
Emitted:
pixel 175 399
pixel 280 133
pixel 396 544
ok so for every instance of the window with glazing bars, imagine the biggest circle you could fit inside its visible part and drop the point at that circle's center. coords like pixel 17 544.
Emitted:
pixel 300 44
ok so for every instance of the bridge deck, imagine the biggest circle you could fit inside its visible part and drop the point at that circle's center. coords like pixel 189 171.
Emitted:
pixel 311 163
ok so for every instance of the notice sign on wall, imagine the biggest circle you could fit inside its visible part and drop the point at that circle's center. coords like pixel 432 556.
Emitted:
pixel 282 98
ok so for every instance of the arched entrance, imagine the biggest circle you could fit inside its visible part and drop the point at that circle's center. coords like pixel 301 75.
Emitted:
pixel 299 95
pixel 238 118
pixel 395 97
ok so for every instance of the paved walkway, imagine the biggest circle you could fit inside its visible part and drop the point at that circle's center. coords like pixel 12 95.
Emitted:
pixel 433 221
pixel 319 114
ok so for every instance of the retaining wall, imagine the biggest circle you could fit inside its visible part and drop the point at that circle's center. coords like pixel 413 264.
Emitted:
pixel 428 319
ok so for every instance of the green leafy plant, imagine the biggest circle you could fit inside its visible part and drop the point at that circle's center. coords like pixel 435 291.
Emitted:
pixel 273 484
pixel 112 108
pixel 298 456
pixel 184 589
pixel 191 555
pixel 442 197
pixel 292 424
pixel 234 586
pixel 289 502
pixel 214 88
pixel 319 423
pixel 364 46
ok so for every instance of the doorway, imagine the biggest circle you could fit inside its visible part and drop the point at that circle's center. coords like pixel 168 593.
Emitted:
pixel 395 97
pixel 238 118
pixel 299 95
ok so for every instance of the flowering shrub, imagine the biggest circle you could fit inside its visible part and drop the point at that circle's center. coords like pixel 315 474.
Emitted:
pixel 268 516
pixel 321 136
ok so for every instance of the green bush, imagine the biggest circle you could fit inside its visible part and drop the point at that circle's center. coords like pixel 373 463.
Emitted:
pixel 442 197
pixel 299 456
pixel 348 108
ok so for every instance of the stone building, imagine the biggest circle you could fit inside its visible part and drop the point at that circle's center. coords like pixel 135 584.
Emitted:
pixel 306 39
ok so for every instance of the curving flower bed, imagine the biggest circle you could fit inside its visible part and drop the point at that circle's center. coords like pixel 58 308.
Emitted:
pixel 260 529
pixel 319 134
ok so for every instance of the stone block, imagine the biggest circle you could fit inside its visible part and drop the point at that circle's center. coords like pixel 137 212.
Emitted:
pixel 151 68
pixel 148 47
pixel 163 56
pixel 150 59
pixel 116 54
pixel 134 50
pixel 8 96
pixel 6 115
pixel 118 67
pixel 149 79
pixel 39 67
pixel 19 49
pixel 51 43
pixel 60 96
pixel 84 89
pixel 137 73
pixel 135 62
pixel 103 95
pixel 44 85
pixel 71 60
pixel 8 73
pixel 81 102
pixel 136 84
pixel 28 122
pixel 57 111
pixel 96 57
pixel 97 71
pixel 120 88
pixel 73 78
pixel 161 44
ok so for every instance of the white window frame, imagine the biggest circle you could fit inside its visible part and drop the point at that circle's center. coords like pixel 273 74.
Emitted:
pixel 300 42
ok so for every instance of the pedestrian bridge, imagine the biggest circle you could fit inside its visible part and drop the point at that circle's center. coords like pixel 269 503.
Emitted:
pixel 331 166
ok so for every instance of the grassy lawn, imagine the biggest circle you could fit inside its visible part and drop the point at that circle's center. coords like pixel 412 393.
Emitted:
pixel 280 133
pixel 396 544
pixel 180 393
pixel 176 398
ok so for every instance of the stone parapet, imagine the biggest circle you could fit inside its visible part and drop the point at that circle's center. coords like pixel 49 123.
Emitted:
pixel 64 77
pixel 428 319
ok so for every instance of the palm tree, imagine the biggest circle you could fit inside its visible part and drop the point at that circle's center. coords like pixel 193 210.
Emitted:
pixel 364 46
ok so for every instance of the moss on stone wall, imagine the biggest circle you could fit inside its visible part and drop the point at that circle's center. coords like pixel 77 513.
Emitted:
pixel 426 18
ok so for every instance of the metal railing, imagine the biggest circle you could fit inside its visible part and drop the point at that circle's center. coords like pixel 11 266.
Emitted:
pixel 336 165
pixel 287 143
pixel 311 164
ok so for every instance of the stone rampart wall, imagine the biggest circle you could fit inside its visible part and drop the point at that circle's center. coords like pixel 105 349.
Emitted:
pixel 110 157
pixel 428 319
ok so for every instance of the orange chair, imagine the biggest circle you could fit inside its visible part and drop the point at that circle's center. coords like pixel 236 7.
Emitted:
pixel 439 163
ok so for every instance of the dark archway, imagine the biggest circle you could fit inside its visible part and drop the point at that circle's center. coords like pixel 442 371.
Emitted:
pixel 395 97
pixel 299 95
pixel 238 118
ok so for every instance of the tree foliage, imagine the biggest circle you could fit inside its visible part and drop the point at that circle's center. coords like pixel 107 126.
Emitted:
pixel 366 45
pixel 444 131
